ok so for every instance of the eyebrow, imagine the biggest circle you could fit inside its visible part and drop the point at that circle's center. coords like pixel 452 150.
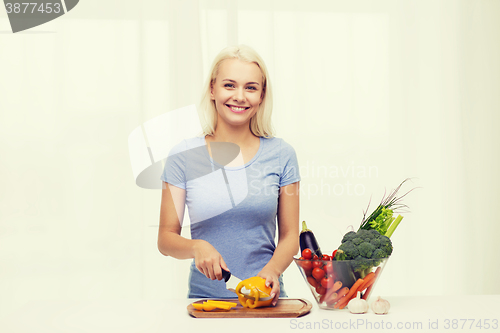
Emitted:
pixel 235 81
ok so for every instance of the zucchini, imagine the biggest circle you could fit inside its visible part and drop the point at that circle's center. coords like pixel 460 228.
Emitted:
pixel 308 241
pixel 343 272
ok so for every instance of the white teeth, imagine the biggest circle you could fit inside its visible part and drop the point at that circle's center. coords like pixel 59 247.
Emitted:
pixel 237 109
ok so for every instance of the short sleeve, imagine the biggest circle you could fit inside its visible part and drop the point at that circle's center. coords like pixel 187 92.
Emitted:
pixel 174 170
pixel 289 165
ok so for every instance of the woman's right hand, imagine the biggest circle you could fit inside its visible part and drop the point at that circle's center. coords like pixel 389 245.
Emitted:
pixel 208 260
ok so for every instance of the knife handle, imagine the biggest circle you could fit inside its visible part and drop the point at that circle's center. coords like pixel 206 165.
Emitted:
pixel 225 274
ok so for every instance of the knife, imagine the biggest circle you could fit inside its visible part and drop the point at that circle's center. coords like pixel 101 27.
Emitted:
pixel 233 281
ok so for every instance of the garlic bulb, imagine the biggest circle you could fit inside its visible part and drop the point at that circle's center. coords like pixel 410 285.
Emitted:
pixel 358 305
pixel 380 306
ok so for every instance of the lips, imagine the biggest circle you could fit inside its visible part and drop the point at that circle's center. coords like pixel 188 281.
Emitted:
pixel 237 109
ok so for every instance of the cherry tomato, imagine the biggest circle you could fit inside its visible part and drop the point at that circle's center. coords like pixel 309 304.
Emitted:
pixel 317 263
pixel 327 282
pixel 321 290
pixel 312 281
pixel 325 257
pixel 328 268
pixel 318 273
pixel 306 265
pixel 307 254
pixel 333 254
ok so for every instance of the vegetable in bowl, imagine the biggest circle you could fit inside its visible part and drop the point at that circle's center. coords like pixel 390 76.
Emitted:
pixel 333 283
pixel 371 243
pixel 381 219
pixel 356 265
pixel 362 246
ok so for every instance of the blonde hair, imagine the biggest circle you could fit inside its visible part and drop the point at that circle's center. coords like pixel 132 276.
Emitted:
pixel 260 123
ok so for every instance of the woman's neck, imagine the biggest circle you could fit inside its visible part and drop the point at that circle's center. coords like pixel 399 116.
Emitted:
pixel 239 136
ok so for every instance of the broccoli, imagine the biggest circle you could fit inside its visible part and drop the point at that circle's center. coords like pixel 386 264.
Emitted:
pixel 350 250
pixel 376 242
pixel 357 241
pixel 386 245
pixel 365 249
pixel 361 264
pixel 378 254
pixel 340 255
pixel 366 234
pixel 349 236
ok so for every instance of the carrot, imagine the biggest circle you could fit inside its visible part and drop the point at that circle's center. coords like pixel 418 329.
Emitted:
pixel 336 286
pixel 336 296
pixel 329 295
pixel 343 301
pixel 369 288
pixel 368 285
pixel 368 278
pixel 367 292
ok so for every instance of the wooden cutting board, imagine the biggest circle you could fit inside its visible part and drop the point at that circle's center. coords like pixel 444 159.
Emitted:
pixel 286 308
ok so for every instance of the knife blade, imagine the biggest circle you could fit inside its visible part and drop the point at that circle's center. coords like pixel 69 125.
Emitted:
pixel 233 281
pixel 246 293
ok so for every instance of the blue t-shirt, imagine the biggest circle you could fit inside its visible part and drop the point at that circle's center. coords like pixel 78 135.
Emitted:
pixel 232 208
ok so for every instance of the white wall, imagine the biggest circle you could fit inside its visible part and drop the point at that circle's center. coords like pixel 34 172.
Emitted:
pixel 396 89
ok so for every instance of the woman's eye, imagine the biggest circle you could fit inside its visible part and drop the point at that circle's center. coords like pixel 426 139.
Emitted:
pixel 229 85
pixel 252 88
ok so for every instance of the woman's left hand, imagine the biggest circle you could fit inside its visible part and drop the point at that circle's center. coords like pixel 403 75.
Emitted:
pixel 272 279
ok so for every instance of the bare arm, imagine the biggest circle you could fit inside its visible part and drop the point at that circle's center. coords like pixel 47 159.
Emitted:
pixel 288 237
pixel 171 243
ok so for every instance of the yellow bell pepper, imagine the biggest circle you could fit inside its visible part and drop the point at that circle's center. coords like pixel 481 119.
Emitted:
pixel 222 304
pixel 210 305
pixel 254 284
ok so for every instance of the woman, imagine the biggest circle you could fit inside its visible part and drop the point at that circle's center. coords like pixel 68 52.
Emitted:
pixel 233 207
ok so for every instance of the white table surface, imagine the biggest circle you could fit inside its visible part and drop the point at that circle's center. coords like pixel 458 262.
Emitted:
pixel 407 314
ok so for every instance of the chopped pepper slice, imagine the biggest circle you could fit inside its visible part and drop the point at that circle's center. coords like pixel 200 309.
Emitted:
pixel 210 305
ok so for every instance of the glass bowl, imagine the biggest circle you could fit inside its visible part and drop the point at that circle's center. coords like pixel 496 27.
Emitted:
pixel 329 280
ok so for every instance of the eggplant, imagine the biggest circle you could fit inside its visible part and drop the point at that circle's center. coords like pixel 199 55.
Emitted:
pixel 308 241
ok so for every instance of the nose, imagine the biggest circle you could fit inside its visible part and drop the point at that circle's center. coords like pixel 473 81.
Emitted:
pixel 239 96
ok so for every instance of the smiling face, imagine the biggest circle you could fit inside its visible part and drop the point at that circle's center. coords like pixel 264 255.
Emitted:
pixel 237 92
